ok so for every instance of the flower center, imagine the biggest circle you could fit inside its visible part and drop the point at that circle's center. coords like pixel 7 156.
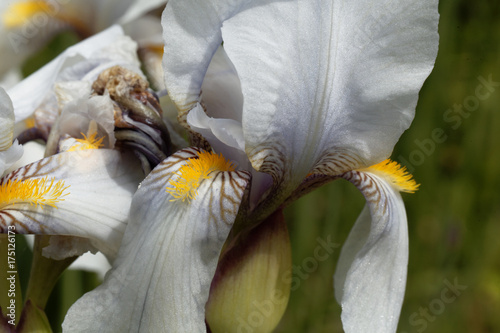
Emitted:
pixel 90 142
pixel 396 175
pixel 190 175
pixel 38 192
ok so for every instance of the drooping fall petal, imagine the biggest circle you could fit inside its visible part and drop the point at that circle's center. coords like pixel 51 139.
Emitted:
pixel 82 193
pixel 161 278
pixel 370 278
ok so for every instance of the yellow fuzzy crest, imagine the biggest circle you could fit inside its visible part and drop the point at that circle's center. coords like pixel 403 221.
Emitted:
pixel 395 174
pixel 38 192
pixel 190 175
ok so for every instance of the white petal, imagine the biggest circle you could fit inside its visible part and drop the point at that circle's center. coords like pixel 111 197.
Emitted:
pixel 96 263
pixel 41 82
pixel 11 78
pixel 10 156
pixel 370 278
pixel 319 78
pixel 308 82
pixel 221 88
pixel 191 30
pixel 222 134
pixel 6 121
pixel 161 278
pixel 226 137
pixel 101 184
pixel 9 152
pixel 77 115
pixel 146 31
pixel 32 151
pixel 138 8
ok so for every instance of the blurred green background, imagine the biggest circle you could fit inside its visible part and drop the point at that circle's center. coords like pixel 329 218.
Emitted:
pixel 454 219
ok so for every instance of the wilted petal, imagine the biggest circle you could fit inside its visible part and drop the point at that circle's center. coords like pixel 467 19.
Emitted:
pixel 41 82
pixel 99 185
pixel 371 273
pixel 161 278
pixel 76 116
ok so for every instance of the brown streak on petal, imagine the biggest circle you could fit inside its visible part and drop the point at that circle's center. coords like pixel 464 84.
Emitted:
pixel 368 186
pixel 337 161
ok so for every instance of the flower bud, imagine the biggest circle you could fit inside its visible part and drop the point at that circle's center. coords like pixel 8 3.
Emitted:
pixel 251 287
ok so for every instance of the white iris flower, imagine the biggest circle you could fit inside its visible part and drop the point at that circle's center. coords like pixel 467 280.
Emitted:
pixel 303 92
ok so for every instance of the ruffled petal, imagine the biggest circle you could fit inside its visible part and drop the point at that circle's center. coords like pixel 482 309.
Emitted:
pixel 370 278
pixel 41 82
pixel 317 81
pixel 320 80
pixel 161 278
pixel 99 185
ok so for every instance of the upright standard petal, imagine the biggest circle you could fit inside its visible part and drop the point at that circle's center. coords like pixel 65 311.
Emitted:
pixel 161 278
pixel 370 278
pixel 191 30
pixel 312 92
pixel 82 193
pixel 321 80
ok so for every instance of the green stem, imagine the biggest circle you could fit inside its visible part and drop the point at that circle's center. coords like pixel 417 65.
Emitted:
pixel 44 273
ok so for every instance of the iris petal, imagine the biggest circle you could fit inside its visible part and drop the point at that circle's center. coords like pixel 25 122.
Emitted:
pixel 100 184
pixel 161 278
pixel 371 272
